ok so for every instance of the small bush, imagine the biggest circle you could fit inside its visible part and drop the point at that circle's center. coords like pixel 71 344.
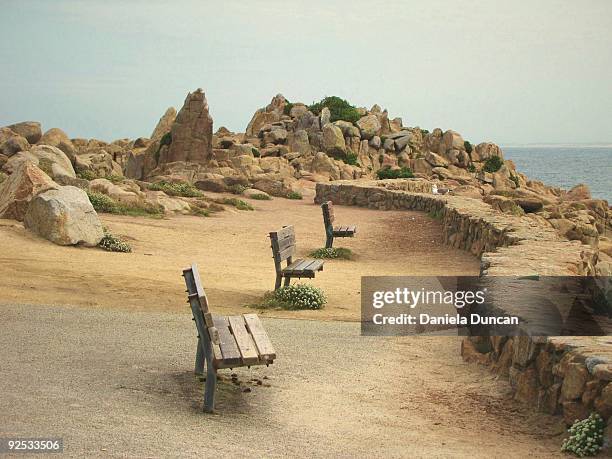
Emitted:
pixel 199 212
pixel 339 109
pixel 468 146
pixel 105 204
pixel 86 174
pixel 177 189
pixel 515 179
pixel 237 188
pixel 493 164
pixel 102 203
pixel 294 195
pixel 292 297
pixel 388 173
pixel 351 158
pixel 238 204
pixel 114 243
pixel 288 107
pixel 424 132
pixel 261 197
pixel 471 168
pixel 114 178
pixel 332 253
pixel 586 436
pixel 256 152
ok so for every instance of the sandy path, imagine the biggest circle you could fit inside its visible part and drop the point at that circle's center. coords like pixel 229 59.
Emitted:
pixel 233 252
pixel 119 384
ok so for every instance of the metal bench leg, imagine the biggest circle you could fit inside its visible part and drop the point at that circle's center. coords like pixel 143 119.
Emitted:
pixel 211 381
pixel 199 363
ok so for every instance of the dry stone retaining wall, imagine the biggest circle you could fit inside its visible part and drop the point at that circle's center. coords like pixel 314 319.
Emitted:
pixel 561 375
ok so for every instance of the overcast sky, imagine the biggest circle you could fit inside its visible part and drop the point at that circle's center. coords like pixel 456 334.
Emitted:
pixel 520 71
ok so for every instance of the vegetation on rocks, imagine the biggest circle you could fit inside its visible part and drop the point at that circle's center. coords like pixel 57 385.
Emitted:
pixel 237 188
pixel 288 107
pixel 333 253
pixel 184 189
pixel 351 158
pixel 389 173
pixel 468 146
pixel 339 109
pixel 165 140
pixel 113 243
pixel 261 197
pixel 493 164
pixel 586 436
pixel 238 203
pixel 293 297
pixel 105 204
pixel 294 195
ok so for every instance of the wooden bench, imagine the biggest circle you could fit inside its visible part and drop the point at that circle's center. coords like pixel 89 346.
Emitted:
pixel 283 248
pixel 332 231
pixel 223 342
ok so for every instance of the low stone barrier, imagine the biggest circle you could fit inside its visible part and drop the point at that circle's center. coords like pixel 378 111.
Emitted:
pixel 558 375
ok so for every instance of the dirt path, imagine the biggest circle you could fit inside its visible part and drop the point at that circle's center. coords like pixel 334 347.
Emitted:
pixel 119 384
pixel 233 252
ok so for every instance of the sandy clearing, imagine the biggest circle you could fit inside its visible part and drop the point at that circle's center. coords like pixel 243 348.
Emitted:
pixel 233 252
pixel 120 384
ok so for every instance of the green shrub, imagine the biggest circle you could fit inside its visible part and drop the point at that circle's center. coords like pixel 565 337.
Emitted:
pixel 261 197
pixel 177 189
pixel 114 178
pixel 114 243
pixel 468 146
pixel 255 152
pixel 166 139
pixel 471 168
pixel 388 173
pixel 339 109
pixel 105 204
pixel 288 107
pixel 294 195
pixel 237 188
pixel 199 212
pixel 238 203
pixel 297 296
pixel 586 436
pixel 515 179
pixel 424 132
pixel 86 174
pixel 493 164
pixel 351 158
pixel 333 253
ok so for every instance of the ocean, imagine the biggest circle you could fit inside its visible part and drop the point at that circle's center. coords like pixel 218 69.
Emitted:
pixel 566 167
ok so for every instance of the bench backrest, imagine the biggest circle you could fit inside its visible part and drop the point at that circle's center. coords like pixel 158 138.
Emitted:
pixel 199 303
pixel 328 213
pixel 283 245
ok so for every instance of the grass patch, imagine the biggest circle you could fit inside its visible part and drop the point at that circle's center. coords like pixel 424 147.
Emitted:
pixel 113 243
pixel 237 188
pixel 351 159
pixel 294 195
pixel 89 175
pixel 183 189
pixel 198 212
pixel 339 109
pixel 261 197
pixel 105 204
pixel 333 253
pixel 388 173
pixel 238 203
pixel 493 164
pixel 294 297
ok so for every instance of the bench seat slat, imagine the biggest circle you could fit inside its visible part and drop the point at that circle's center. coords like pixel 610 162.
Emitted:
pixel 314 265
pixel 227 342
pixel 296 267
pixel 264 346
pixel 246 346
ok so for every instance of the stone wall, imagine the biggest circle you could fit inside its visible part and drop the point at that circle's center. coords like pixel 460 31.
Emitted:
pixel 561 375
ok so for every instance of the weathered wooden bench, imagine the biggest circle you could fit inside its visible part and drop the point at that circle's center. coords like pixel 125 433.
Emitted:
pixel 332 231
pixel 283 248
pixel 224 342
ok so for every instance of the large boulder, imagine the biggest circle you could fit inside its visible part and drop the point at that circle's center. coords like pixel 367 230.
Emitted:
pixel 369 126
pixel 323 165
pixel 578 193
pixel 333 139
pixel 16 192
pixel 50 159
pixel 99 164
pixel 64 216
pixel 164 124
pixel 14 144
pixel 451 140
pixel 29 129
pixel 191 132
pixel 268 115
pixel 486 150
pixel 115 192
pixel 58 138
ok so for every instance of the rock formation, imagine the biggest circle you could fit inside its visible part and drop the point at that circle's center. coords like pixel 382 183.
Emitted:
pixel 164 124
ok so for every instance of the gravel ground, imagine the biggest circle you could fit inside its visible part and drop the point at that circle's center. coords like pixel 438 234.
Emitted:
pixel 120 384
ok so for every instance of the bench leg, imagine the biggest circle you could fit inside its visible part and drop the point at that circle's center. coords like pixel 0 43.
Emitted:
pixel 329 242
pixel 211 380
pixel 199 363
pixel 279 278
pixel 287 280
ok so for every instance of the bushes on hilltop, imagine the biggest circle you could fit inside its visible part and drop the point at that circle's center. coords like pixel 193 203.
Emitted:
pixel 339 109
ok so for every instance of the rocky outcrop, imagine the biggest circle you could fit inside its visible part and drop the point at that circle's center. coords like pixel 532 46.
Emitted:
pixel 16 192
pixel 50 159
pixel 65 217
pixel 164 125
pixel 191 132
pixel 30 130
pixel 58 138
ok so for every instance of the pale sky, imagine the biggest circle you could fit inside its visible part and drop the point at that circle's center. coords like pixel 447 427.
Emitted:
pixel 520 71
